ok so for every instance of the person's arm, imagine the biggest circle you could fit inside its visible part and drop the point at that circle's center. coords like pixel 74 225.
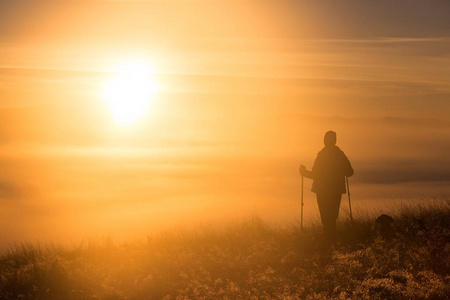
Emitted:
pixel 306 173
pixel 348 170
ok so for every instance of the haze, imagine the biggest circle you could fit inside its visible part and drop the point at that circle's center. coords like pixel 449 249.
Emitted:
pixel 246 90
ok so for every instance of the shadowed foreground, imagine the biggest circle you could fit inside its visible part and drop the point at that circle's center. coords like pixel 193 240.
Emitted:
pixel 247 260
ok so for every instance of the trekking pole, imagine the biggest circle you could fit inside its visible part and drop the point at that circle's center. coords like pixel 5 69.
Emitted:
pixel 301 215
pixel 349 203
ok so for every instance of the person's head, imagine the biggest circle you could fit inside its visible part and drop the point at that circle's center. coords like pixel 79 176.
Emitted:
pixel 329 138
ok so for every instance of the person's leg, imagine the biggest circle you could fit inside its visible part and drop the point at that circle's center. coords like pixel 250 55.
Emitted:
pixel 335 203
pixel 329 211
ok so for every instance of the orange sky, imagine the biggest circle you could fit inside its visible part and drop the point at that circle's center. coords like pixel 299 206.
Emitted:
pixel 246 91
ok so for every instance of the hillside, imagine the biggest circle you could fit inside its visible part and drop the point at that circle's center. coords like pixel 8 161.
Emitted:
pixel 250 260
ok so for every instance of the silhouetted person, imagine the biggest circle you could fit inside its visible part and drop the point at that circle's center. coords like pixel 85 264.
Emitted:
pixel 328 174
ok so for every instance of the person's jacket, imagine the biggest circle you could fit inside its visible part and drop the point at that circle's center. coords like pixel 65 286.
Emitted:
pixel 329 171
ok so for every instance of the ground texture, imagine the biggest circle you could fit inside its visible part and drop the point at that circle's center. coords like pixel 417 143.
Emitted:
pixel 249 260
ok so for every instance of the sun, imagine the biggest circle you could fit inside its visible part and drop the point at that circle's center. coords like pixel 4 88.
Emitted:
pixel 129 92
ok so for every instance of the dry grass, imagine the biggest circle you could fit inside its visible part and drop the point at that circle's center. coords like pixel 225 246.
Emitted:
pixel 249 260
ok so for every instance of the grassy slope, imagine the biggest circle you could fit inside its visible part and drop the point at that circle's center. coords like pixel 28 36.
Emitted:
pixel 247 260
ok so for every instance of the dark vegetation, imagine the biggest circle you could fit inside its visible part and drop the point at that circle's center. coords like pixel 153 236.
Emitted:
pixel 249 260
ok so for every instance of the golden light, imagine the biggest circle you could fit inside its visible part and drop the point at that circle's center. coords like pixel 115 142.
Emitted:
pixel 129 92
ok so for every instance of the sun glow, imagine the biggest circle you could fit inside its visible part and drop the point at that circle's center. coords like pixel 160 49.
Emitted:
pixel 129 92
